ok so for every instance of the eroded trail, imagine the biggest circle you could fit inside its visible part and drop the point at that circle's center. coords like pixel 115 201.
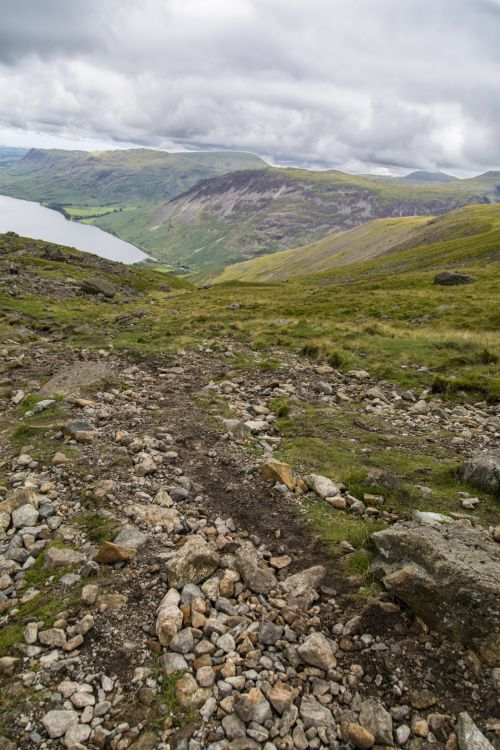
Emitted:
pixel 213 616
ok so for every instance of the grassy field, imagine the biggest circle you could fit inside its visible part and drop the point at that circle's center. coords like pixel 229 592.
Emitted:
pixel 386 315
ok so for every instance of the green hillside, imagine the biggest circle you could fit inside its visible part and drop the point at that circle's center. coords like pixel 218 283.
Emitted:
pixel 199 212
pixel 384 315
pixel 243 215
pixel 104 178
pixel 473 230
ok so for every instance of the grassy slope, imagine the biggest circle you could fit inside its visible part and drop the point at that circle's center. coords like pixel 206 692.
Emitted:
pixel 384 315
pixel 245 215
pixel 119 177
pixel 472 226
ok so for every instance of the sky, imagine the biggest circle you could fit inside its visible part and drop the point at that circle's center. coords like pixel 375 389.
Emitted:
pixel 380 86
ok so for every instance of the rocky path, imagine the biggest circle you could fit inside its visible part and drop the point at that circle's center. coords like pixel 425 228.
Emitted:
pixel 157 591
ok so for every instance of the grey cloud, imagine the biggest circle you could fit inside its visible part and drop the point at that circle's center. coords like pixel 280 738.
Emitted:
pixel 332 83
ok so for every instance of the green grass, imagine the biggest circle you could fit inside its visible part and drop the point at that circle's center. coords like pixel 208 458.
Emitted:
pixel 335 526
pixel 45 607
pixel 97 528
pixel 370 316
pixel 332 443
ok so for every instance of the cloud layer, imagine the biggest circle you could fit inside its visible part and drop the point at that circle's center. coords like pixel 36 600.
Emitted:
pixel 358 84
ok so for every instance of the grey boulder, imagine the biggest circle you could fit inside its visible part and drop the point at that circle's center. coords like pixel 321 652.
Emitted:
pixel 255 573
pixel 483 472
pixel 469 736
pixel 449 575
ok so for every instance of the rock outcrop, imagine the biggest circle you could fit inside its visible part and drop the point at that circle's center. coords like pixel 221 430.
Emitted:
pixel 483 472
pixel 449 576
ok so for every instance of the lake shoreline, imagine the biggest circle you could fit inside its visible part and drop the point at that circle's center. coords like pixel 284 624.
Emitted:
pixel 51 224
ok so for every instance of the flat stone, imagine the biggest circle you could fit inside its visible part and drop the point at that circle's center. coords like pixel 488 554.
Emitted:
pixel 153 515
pixel 54 637
pixel 274 471
pixel 195 561
pixel 172 663
pixel 255 572
pixel 182 642
pixel 302 583
pixel 80 430
pixel 238 431
pixel 253 706
pixel 131 537
pixel 57 557
pixel 95 285
pixel 314 714
pixel 110 552
pixel 57 723
pixel 77 735
pixel 359 736
pixel 279 698
pixel 25 515
pixel 322 486
pixel 483 472
pixel 374 718
pixel 422 564
pixel 269 633
pixel 451 278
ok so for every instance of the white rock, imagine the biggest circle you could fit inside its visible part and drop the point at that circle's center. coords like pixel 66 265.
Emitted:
pixel 58 722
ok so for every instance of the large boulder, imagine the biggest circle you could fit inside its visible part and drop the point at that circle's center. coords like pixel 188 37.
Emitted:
pixel 449 575
pixel 322 486
pixel 317 651
pixel 305 583
pixel 483 472
pixel 451 278
pixel 196 561
pixel 94 285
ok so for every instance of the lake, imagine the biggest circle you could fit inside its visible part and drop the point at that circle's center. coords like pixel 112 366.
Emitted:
pixel 33 220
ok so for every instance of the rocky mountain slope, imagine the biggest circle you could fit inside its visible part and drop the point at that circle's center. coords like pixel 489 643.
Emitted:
pixel 458 236
pixel 118 177
pixel 247 214
pixel 178 570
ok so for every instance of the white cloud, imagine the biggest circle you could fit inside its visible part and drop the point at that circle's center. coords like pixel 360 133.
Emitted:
pixel 359 84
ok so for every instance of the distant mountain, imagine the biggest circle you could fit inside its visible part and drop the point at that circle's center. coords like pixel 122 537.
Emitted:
pixel 422 176
pixel 9 154
pixel 246 214
pixel 115 177
pixel 466 234
pixel 205 210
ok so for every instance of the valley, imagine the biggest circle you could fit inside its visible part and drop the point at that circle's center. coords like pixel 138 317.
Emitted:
pixel 198 212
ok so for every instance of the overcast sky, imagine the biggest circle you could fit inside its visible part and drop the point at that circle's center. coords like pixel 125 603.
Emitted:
pixel 362 85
